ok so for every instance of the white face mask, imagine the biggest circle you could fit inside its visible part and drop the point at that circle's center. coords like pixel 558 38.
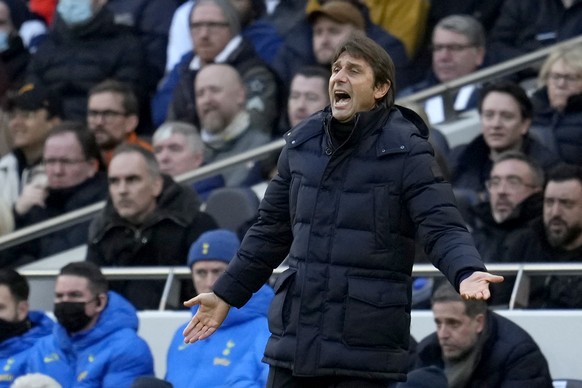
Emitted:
pixel 3 41
pixel 75 11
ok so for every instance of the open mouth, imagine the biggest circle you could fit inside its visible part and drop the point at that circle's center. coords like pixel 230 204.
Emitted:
pixel 341 98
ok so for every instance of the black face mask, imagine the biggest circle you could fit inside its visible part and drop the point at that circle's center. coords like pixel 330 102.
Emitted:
pixel 71 315
pixel 12 329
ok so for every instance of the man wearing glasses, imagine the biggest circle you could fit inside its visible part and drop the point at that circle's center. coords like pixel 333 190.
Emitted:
pixel 73 180
pixel 458 49
pixel 113 116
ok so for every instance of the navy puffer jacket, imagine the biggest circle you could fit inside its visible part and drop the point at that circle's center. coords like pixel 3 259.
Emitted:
pixel 346 218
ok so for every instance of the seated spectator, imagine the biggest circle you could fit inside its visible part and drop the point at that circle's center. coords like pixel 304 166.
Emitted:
pixel 85 47
pixel 20 328
pixel 505 112
pixel 479 348
pixel 31 28
pixel 458 49
pixel 232 356
pixel 151 21
pixel 179 149
pixel 32 114
pixel 304 46
pixel 515 198
pixel 14 56
pixel 35 380
pixel 522 29
pixel 555 237
pixel 74 179
pixel 216 35
pixel 113 117
pixel 258 29
pixel 557 117
pixel 308 94
pixel 226 126
pixel 95 342
pixel 148 220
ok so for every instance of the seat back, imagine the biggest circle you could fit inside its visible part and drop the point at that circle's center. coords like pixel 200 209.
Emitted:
pixel 232 207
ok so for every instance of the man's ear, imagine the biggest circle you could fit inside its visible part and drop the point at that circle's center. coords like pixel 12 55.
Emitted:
pixel 480 319
pixel 101 302
pixel 158 185
pixel 381 90
pixel 22 310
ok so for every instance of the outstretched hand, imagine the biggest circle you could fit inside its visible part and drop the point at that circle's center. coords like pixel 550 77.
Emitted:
pixel 476 286
pixel 207 319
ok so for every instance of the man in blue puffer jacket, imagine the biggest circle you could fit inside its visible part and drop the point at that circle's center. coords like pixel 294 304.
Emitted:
pixel 19 327
pixel 232 357
pixel 95 343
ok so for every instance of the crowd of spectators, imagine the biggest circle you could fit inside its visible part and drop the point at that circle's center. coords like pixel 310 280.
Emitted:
pixel 113 100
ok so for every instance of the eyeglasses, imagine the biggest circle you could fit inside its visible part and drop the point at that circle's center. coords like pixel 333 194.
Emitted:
pixel 106 115
pixel 211 26
pixel 62 161
pixel 512 182
pixel 567 78
pixel 455 48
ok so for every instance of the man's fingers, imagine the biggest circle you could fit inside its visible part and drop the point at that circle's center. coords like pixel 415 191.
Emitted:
pixel 192 302
pixel 496 279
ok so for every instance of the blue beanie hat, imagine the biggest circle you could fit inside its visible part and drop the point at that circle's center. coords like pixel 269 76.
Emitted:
pixel 219 244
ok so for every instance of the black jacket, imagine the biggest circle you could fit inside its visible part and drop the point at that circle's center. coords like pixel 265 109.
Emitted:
pixel 70 61
pixel 510 357
pixel 346 218
pixel 559 130
pixel 163 240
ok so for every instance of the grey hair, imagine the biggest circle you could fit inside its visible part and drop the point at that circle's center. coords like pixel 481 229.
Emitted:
pixel 572 56
pixel 536 170
pixel 465 25
pixel 230 13
pixel 189 131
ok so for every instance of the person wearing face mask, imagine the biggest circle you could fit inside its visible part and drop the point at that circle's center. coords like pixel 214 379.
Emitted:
pixel 95 342
pixel 84 48
pixel 20 328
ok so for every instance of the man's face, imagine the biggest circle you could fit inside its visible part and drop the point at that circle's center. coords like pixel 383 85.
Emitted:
pixel 510 182
pixel 457 332
pixel 108 121
pixel 351 87
pixel 563 82
pixel 132 187
pixel 563 214
pixel 175 155
pixel 308 95
pixel 453 55
pixel 65 164
pixel 502 124
pixel 219 97
pixel 210 31
pixel 10 309
pixel 29 128
pixel 328 35
pixel 71 288
pixel 205 273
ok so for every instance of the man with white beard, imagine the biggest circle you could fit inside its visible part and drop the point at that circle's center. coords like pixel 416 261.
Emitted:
pixel 555 237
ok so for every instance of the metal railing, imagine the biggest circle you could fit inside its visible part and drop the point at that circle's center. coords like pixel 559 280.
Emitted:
pixel 172 275
pixel 445 89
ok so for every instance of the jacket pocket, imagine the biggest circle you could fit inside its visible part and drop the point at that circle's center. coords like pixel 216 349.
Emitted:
pixel 377 313
pixel 280 308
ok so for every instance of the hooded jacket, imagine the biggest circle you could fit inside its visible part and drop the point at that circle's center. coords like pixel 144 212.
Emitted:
pixel 110 354
pixel 346 217
pixel 163 240
pixel 14 352
pixel 231 357
pixel 510 358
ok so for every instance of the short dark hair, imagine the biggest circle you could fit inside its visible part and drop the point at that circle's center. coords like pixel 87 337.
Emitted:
pixel 129 101
pixel 514 90
pixel 565 172
pixel 16 283
pixel 314 71
pixel 446 293
pixel 85 138
pixel 536 169
pixel 90 271
pixel 149 157
pixel 360 46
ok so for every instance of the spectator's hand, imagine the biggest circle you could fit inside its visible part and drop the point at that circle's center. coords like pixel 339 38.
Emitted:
pixel 207 319
pixel 476 286
pixel 33 194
